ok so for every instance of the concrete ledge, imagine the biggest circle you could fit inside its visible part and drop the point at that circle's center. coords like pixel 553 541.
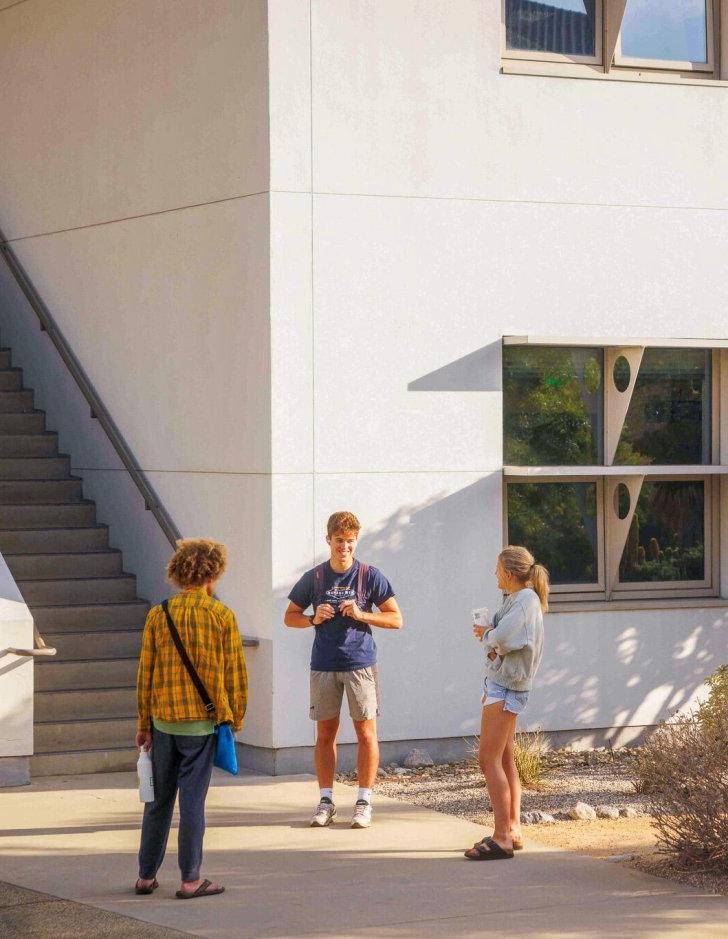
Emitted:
pixel 287 761
pixel 14 771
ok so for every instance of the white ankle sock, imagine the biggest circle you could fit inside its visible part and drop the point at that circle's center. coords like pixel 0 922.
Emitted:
pixel 327 794
pixel 365 794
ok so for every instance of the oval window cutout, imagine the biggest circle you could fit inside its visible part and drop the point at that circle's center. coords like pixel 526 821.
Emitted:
pixel 621 373
pixel 622 501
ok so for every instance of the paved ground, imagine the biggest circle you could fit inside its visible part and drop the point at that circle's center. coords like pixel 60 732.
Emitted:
pixel 75 839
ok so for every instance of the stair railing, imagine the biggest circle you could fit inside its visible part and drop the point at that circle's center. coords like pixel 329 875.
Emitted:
pixel 48 325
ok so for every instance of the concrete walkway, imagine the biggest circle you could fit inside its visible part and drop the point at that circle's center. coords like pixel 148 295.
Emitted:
pixel 76 838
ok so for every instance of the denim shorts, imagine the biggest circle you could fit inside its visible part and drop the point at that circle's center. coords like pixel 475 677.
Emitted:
pixel 515 701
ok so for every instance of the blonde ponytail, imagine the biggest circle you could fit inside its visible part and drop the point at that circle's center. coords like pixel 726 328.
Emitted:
pixel 521 563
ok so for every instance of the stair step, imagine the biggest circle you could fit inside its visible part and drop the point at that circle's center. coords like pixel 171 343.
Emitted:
pixel 30 491
pixel 104 563
pixel 78 590
pixel 17 402
pixel 80 514
pixel 28 445
pixel 57 618
pixel 53 540
pixel 102 703
pixel 78 762
pixel 6 358
pixel 61 736
pixel 11 379
pixel 75 676
pixel 22 422
pixel 34 467
pixel 101 644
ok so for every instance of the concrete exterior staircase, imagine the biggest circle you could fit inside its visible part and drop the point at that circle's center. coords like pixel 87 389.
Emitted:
pixel 74 583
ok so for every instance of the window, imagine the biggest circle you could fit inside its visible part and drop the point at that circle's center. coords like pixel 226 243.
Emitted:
pixel 666 34
pixel 608 476
pixel 554 30
pixel 616 38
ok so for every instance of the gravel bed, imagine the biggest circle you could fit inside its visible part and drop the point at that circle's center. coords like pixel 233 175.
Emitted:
pixel 597 777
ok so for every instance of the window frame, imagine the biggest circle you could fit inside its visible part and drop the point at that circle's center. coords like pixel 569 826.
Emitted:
pixel 605 66
pixel 675 65
pixel 610 544
pixel 533 56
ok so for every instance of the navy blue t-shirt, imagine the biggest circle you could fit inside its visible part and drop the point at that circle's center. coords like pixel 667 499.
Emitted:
pixel 342 644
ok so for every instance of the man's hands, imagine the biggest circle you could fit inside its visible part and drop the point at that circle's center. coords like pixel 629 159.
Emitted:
pixel 324 612
pixel 349 608
pixel 143 739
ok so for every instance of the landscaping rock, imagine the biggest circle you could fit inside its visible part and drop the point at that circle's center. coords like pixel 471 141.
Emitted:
pixel 582 812
pixel 417 758
pixel 620 857
pixel 401 771
pixel 537 818
pixel 628 812
pixel 607 811
pixel 381 772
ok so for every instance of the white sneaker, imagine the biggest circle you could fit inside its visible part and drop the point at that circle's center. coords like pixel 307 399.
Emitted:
pixel 362 817
pixel 325 813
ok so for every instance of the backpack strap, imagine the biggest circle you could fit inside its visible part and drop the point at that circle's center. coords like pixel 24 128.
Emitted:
pixel 361 585
pixel 318 585
pixel 201 690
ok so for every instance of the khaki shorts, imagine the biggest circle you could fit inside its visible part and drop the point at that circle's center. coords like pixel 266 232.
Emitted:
pixel 362 692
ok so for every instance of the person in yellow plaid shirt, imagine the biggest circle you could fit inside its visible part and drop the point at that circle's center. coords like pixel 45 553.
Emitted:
pixel 172 719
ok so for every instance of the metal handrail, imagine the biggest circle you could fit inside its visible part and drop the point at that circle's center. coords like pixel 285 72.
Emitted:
pixel 98 410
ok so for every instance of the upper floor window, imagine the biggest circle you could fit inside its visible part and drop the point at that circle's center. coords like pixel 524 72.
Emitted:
pixel 639 37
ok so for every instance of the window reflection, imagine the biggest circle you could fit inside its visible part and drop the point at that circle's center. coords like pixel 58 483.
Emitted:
pixel 558 524
pixel 668 421
pixel 666 30
pixel 565 27
pixel 667 534
pixel 552 404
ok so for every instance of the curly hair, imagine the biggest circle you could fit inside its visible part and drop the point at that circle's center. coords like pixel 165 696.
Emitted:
pixel 196 562
pixel 341 522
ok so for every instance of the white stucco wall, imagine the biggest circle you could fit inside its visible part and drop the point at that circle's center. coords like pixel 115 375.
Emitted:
pixel 322 217
pixel 16 681
pixel 432 205
pixel 134 191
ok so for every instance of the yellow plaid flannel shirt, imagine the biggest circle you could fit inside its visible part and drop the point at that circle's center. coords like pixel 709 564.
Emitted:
pixel 209 633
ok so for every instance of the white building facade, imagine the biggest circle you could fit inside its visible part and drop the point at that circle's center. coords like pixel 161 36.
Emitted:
pixel 290 242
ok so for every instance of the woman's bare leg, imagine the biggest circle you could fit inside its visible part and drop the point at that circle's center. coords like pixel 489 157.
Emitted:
pixel 514 784
pixel 496 730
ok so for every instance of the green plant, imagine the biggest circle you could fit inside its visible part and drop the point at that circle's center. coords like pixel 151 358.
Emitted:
pixel 528 752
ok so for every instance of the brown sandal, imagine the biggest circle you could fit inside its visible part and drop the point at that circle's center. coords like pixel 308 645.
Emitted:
pixel 144 891
pixel 202 891
pixel 488 850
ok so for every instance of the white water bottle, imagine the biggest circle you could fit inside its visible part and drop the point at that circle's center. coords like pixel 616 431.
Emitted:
pixel 146 776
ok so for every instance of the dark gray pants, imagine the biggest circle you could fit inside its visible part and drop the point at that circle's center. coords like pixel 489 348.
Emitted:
pixel 183 763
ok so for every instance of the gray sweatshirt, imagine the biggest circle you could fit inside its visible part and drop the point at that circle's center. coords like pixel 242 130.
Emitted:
pixel 518 640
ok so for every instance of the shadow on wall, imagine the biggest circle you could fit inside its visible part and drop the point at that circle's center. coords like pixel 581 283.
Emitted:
pixel 600 670
pixel 626 676
pixel 478 371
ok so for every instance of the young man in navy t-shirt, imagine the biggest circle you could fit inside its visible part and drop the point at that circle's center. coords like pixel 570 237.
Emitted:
pixel 341 592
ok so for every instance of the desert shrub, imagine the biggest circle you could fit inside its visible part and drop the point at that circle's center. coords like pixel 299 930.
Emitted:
pixel 528 752
pixel 684 770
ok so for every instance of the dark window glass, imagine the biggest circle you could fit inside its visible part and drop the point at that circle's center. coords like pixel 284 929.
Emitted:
pixel 668 421
pixel 557 522
pixel 566 27
pixel 667 534
pixel 552 406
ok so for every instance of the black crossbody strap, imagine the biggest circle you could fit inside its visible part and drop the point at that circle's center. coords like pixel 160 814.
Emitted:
pixel 201 690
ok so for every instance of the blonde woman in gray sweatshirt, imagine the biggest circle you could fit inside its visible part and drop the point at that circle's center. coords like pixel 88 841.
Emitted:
pixel 513 646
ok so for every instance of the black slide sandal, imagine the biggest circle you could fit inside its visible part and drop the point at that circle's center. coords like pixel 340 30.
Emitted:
pixel 488 850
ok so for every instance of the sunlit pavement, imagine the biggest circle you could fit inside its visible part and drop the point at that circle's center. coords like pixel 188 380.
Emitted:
pixel 76 838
